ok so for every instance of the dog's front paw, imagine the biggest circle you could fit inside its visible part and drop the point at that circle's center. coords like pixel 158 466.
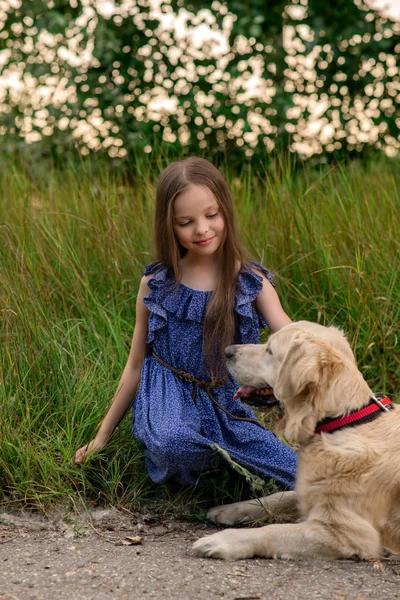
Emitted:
pixel 232 544
pixel 230 514
pixel 239 512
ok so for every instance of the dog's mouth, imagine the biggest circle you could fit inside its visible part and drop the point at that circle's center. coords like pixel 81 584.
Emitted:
pixel 261 399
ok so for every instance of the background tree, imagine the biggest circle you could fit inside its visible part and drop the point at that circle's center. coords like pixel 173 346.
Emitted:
pixel 237 78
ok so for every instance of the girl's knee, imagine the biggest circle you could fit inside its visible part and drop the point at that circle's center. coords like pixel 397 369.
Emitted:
pixel 176 447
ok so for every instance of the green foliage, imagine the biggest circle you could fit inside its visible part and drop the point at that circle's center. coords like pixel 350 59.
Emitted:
pixel 256 483
pixel 357 66
pixel 97 76
pixel 73 247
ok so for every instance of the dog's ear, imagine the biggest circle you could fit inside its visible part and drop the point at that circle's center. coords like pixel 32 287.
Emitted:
pixel 302 383
pixel 306 360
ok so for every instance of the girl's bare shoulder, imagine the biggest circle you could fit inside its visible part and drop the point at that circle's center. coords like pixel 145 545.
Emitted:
pixel 154 271
pixel 145 279
pixel 150 272
pixel 144 289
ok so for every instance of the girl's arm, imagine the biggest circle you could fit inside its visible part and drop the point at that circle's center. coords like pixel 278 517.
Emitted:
pixel 270 308
pixel 129 382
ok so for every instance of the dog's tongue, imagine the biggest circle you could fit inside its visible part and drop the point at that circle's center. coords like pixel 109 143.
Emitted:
pixel 243 392
pixel 247 390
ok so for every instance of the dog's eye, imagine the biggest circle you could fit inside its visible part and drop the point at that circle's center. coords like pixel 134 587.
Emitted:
pixel 268 350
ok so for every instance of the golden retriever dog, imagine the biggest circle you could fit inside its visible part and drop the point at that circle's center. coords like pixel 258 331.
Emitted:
pixel 346 502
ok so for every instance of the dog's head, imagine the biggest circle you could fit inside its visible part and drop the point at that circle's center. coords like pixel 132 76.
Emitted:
pixel 300 363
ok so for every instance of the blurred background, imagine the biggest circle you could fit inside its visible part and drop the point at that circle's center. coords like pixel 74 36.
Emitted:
pixel 236 78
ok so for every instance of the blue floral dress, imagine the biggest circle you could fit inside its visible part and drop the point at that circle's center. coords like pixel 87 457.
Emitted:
pixel 177 430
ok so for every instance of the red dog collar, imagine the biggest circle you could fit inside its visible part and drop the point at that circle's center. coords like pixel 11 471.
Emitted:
pixel 375 407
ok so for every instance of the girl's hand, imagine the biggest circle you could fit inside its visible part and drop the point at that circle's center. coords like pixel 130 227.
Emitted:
pixel 129 381
pixel 93 446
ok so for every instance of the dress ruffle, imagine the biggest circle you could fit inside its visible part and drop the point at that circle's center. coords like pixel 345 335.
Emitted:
pixel 158 314
pixel 185 303
pixel 249 285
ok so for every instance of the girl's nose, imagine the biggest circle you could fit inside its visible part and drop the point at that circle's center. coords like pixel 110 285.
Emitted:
pixel 202 227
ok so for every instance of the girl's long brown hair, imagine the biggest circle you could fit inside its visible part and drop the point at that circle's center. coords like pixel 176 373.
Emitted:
pixel 219 324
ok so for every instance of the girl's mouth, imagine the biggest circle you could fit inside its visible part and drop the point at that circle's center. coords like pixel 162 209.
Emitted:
pixel 204 242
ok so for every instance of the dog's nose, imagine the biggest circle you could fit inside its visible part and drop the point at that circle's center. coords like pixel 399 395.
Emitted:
pixel 229 351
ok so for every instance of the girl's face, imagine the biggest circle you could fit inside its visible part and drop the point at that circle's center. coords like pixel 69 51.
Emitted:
pixel 198 223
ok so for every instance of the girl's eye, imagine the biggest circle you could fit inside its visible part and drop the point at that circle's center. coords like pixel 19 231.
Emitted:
pixel 184 224
pixel 213 215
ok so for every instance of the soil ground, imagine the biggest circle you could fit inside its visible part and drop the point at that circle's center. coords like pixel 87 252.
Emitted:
pixel 121 555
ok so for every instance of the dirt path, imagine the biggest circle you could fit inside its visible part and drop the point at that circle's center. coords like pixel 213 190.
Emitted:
pixel 123 556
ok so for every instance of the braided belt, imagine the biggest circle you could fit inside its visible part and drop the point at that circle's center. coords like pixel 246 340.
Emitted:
pixel 207 386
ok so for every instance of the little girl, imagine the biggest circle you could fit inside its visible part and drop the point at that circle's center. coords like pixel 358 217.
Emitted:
pixel 197 299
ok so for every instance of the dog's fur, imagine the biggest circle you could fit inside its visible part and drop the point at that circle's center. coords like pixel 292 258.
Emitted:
pixel 347 494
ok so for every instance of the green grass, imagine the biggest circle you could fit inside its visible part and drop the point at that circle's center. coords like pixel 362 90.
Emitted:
pixel 73 247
